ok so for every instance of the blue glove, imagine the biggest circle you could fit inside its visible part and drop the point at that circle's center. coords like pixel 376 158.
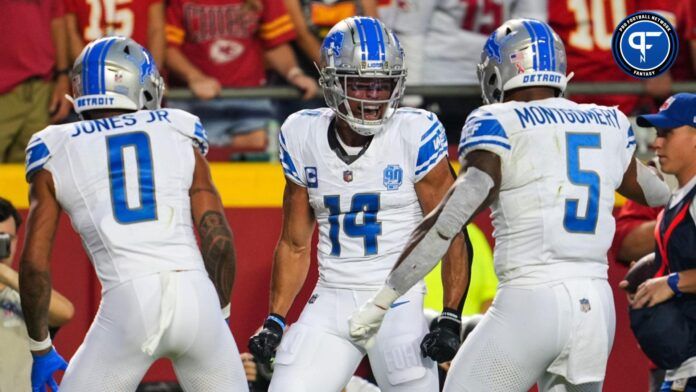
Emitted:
pixel 43 368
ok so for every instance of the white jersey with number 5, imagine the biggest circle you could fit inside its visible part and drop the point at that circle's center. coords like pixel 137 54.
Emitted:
pixel 561 163
pixel 124 181
pixel 366 209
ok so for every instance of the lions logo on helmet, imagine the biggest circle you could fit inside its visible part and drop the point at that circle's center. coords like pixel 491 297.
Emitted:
pixel 521 53
pixel 116 73
pixel 362 53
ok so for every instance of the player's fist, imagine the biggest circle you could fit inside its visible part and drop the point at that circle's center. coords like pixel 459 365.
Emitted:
pixel 264 344
pixel 443 340
pixel 365 322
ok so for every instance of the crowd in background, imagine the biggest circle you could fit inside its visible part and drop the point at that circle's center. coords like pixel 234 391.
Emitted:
pixel 210 45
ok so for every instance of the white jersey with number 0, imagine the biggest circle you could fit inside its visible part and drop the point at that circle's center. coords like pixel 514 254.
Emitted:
pixel 367 209
pixel 561 163
pixel 124 182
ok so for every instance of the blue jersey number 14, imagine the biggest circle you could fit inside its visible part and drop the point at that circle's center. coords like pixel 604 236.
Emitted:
pixel 369 229
pixel 571 221
pixel 146 210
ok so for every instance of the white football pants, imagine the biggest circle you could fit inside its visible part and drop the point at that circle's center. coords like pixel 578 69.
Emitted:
pixel 317 355
pixel 558 335
pixel 178 314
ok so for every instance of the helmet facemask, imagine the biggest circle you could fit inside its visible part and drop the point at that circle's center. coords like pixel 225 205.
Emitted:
pixel 365 102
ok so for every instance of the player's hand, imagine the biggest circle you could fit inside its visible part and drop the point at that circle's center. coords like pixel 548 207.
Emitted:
pixel 59 106
pixel 204 87
pixel 652 292
pixel 43 368
pixel 249 366
pixel 263 345
pixel 365 322
pixel 307 84
pixel 443 340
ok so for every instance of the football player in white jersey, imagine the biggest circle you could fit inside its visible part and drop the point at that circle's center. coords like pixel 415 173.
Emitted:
pixel 133 179
pixel 548 168
pixel 365 171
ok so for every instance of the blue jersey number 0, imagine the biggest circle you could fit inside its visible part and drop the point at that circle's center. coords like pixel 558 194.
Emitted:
pixel 369 229
pixel 571 221
pixel 146 210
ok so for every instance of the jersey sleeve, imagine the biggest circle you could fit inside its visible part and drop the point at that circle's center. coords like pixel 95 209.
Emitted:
pixel 174 27
pixel 190 126
pixel 426 140
pixel 276 26
pixel 483 131
pixel 37 154
pixel 289 150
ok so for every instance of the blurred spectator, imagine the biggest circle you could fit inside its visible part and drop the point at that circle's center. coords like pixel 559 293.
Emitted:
pixel 15 361
pixel 680 15
pixel 215 45
pixel 34 69
pixel 313 19
pixel 586 27
pixel 141 20
pixel 444 40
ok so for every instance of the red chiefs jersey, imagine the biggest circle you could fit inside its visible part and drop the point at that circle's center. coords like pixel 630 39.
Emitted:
pixel 226 38
pixel 98 18
pixel 684 13
pixel 586 28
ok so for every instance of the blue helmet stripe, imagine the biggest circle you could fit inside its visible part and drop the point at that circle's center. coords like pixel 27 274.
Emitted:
pixel 361 34
pixel 544 43
pixel 85 69
pixel 90 62
pixel 380 41
pixel 102 68
pixel 369 29
pixel 535 45
pixel 552 49
pixel 93 62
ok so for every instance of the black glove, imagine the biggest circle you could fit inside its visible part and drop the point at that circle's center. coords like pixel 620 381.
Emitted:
pixel 263 345
pixel 443 340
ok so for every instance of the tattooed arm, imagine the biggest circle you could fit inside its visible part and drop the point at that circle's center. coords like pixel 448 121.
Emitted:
pixel 35 264
pixel 217 244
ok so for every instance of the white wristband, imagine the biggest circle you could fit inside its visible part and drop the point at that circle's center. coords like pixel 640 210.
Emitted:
pixel 42 345
pixel 226 311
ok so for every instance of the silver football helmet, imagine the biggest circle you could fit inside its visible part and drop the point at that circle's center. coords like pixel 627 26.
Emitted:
pixel 362 48
pixel 521 53
pixel 116 73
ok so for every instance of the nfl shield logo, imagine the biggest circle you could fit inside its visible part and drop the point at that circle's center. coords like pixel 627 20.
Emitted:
pixel 585 305
pixel 347 176
pixel 393 176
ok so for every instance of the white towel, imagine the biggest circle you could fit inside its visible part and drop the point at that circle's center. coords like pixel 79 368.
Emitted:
pixel 584 357
pixel 169 281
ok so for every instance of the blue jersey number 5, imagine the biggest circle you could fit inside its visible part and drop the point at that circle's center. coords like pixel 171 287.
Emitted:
pixel 571 221
pixel 369 229
pixel 146 210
